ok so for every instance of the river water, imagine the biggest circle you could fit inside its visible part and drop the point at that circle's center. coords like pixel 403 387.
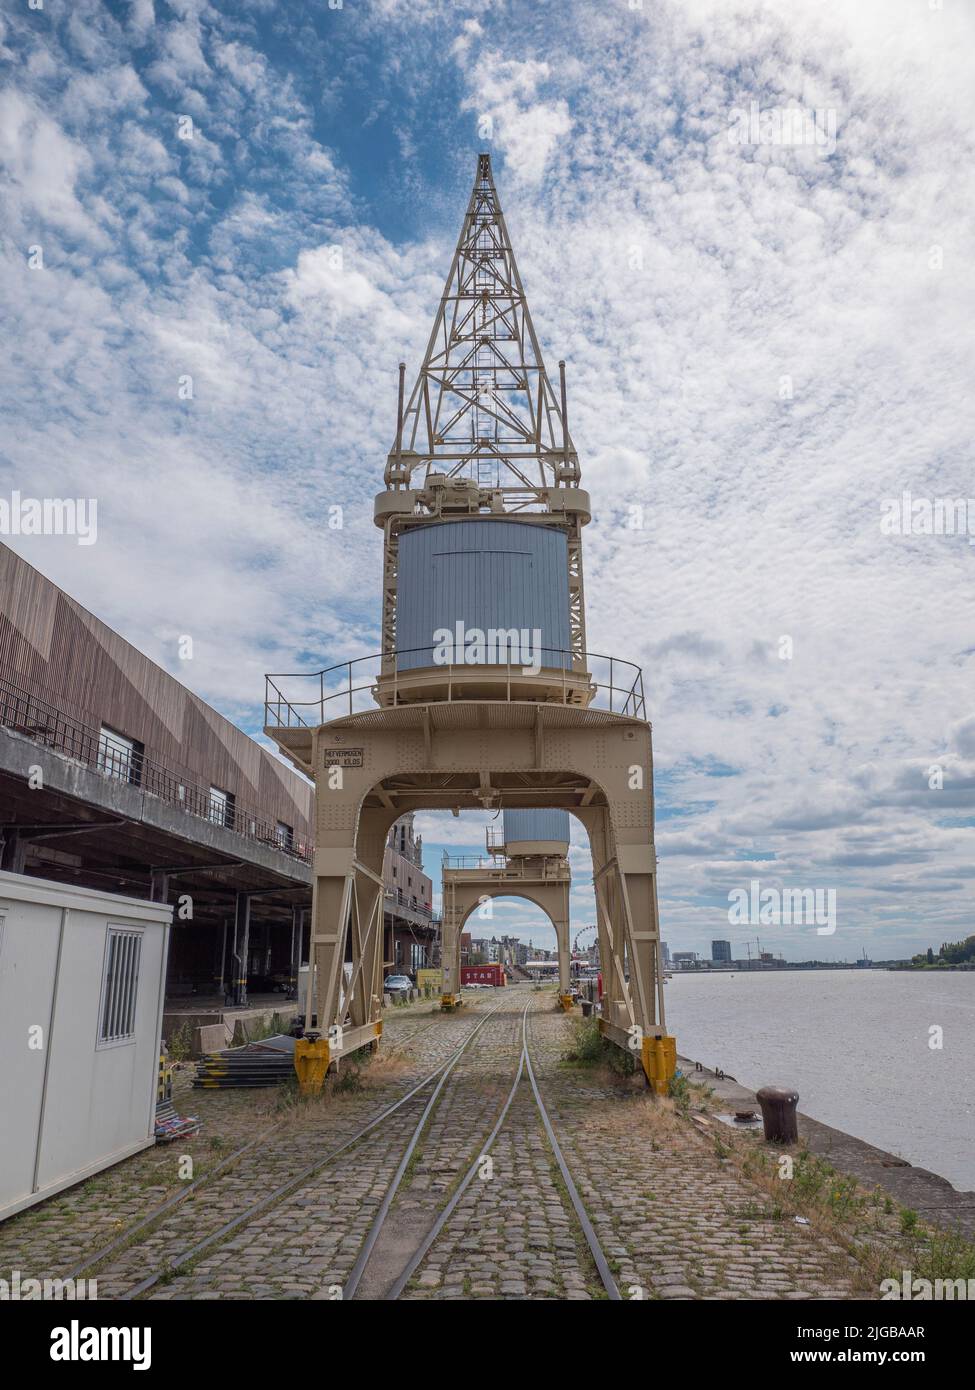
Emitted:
pixel 854 1043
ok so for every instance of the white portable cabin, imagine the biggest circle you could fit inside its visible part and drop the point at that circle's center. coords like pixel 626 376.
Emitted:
pixel 82 978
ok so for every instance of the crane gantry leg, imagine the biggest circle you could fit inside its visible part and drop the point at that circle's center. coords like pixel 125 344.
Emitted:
pixel 596 764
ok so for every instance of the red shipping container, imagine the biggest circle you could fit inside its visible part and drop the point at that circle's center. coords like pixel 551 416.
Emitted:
pixel 482 975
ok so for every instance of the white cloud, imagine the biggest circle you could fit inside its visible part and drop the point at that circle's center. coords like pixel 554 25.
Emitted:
pixel 41 167
pixel 760 344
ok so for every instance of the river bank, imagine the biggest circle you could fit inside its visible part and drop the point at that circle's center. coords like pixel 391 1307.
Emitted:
pixel 917 1189
pixel 885 1056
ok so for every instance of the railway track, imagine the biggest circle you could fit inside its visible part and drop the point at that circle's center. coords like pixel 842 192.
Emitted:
pixel 401 1282
pixel 175 1258
pixel 311 1170
pixel 254 1154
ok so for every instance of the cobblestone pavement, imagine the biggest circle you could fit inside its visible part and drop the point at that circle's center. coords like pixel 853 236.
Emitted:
pixel 675 1218
pixel 513 1234
pixel 49 1240
pixel 307 1244
pixel 676 1215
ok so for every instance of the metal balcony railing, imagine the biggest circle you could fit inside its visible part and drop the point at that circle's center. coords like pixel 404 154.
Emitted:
pixel 499 867
pixel 494 837
pixel 395 897
pixel 43 722
pixel 472 861
pixel 306 699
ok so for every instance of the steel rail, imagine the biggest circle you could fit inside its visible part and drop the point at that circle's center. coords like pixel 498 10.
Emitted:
pixel 592 1240
pixel 416 1259
pixel 285 1189
pixel 225 1163
pixel 123 1240
pixel 352 1282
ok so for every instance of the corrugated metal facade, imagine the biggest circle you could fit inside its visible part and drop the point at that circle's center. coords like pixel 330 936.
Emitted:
pixel 59 652
pixel 486 574
pixel 535 825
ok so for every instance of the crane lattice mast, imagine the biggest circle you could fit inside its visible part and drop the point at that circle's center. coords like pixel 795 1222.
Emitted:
pixel 483 407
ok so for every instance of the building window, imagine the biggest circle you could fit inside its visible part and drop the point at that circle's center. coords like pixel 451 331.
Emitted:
pixel 120 757
pixel 285 835
pixel 120 985
pixel 222 807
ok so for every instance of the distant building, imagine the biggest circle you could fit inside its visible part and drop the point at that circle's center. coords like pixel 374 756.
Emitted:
pixel 408 907
pixel 721 951
pixel 665 952
pixel 766 960
pixel 685 960
pixel 540 969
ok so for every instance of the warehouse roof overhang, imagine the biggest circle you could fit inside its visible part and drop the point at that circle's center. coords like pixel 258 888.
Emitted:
pixel 80 826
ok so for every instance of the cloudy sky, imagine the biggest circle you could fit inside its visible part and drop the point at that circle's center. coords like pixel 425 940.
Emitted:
pixel 767 319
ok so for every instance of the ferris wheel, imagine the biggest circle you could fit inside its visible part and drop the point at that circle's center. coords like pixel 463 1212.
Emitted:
pixel 579 935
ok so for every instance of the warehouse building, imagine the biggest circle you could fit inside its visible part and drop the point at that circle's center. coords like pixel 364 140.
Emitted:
pixel 115 777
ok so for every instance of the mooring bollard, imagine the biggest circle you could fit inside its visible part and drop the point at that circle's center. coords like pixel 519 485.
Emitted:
pixel 779 1114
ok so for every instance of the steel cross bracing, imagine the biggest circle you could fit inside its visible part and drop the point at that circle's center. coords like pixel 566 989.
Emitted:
pixel 483 406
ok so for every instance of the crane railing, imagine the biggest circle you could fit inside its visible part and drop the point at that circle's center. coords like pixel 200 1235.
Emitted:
pixel 296 699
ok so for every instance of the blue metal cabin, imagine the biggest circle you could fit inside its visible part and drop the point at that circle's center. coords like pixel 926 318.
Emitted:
pixel 546 828
pixel 484 574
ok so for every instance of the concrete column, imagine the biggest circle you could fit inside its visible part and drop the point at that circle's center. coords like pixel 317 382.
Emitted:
pixel 297 927
pixel 242 926
pixel 13 852
pixel 220 975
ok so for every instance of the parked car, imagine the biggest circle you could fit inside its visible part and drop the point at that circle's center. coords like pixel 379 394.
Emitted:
pixel 394 983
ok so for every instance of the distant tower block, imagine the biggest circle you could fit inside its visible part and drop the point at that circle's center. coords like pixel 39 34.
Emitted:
pixel 528 859
pixel 484 695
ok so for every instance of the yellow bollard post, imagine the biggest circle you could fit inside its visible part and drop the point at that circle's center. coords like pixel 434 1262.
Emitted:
pixel 311 1064
pixel 659 1057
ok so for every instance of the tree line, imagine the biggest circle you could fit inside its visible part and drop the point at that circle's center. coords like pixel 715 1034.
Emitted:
pixel 950 953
